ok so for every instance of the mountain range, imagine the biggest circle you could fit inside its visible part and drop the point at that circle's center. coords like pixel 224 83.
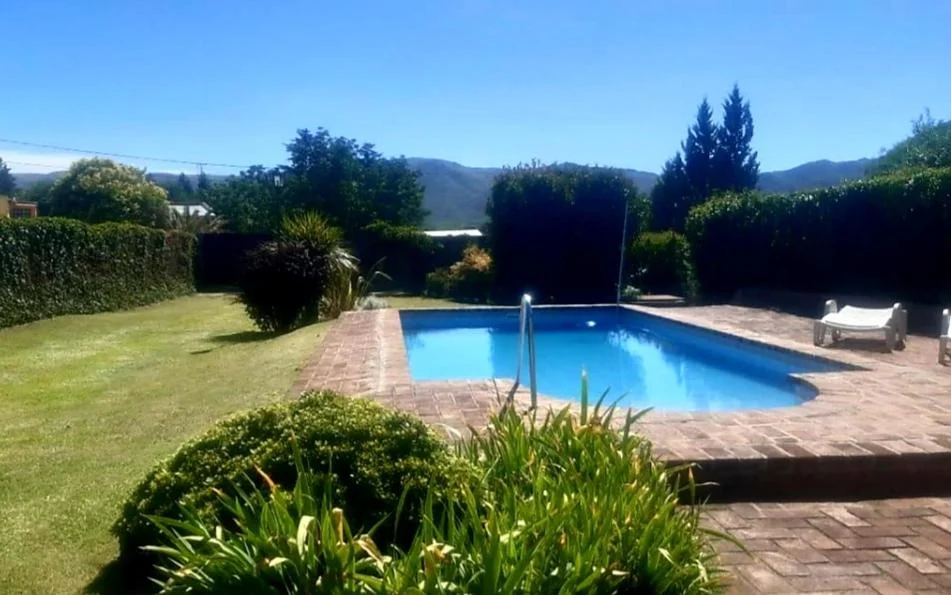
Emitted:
pixel 455 194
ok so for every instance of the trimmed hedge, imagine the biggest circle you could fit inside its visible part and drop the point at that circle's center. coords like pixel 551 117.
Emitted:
pixel 888 237
pixel 661 263
pixel 407 253
pixel 374 455
pixel 556 231
pixel 50 267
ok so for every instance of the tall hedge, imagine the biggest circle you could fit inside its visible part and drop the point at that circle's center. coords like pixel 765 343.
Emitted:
pixel 888 236
pixel 555 231
pixel 50 267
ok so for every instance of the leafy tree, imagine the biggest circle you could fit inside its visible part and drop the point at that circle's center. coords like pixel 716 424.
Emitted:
pixel 734 162
pixel 928 146
pixel 349 183
pixel 555 231
pixel 8 184
pixel 251 202
pixel 99 190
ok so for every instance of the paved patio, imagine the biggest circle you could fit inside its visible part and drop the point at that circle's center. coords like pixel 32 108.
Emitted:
pixel 885 547
pixel 877 430
pixel 882 429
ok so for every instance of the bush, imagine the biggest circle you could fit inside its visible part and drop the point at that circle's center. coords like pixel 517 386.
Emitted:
pixel 561 505
pixel 556 231
pixel 372 454
pixel 661 263
pixel 888 236
pixel 285 283
pixel 469 280
pixel 50 267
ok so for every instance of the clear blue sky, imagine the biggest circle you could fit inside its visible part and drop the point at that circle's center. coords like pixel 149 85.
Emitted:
pixel 481 82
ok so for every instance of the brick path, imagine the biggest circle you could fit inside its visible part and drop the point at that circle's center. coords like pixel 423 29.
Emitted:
pixel 886 547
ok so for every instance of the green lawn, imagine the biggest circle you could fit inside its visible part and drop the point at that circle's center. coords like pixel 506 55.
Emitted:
pixel 89 403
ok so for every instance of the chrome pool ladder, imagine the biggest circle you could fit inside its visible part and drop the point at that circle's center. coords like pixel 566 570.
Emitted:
pixel 526 334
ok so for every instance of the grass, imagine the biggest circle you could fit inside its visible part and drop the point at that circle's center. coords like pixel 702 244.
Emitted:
pixel 89 403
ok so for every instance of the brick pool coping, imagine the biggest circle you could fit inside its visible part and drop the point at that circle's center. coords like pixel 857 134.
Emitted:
pixel 879 429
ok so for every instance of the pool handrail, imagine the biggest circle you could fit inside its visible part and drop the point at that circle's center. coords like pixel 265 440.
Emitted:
pixel 526 332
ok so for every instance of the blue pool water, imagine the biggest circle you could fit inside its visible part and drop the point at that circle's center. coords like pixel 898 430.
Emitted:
pixel 643 360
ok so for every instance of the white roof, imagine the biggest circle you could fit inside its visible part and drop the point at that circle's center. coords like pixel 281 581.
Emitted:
pixel 199 209
pixel 448 233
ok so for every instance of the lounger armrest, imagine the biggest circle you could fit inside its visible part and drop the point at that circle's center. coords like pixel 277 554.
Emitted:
pixel 831 307
pixel 946 323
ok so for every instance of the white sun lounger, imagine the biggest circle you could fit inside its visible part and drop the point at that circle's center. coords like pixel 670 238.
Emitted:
pixel 893 321
pixel 944 350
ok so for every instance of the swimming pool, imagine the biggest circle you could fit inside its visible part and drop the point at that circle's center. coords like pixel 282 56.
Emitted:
pixel 643 360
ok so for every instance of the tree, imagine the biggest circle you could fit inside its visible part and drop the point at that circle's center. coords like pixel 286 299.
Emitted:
pixel 735 165
pixel 670 197
pixel 249 203
pixel 185 183
pixel 204 183
pixel 38 193
pixel 99 190
pixel 928 146
pixel 349 183
pixel 699 150
pixel 8 183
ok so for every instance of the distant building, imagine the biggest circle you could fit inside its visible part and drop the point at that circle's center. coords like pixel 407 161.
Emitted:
pixel 454 233
pixel 199 209
pixel 10 207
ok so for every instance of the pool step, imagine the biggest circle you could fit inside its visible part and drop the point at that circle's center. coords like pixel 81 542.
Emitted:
pixel 825 478
pixel 660 301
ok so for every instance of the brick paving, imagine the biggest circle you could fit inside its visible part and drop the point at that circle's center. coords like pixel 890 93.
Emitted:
pixel 880 429
pixel 885 547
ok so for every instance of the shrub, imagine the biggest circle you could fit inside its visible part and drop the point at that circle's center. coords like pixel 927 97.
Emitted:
pixel 661 263
pixel 888 236
pixel 50 267
pixel 470 279
pixel 372 454
pixel 285 283
pixel 555 231
pixel 562 505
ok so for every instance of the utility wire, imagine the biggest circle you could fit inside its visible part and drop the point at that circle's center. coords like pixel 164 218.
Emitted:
pixel 200 164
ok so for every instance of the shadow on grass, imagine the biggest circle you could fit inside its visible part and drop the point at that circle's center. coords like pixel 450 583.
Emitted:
pixel 244 337
pixel 115 578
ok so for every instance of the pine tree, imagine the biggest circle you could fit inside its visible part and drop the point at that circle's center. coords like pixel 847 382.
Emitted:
pixel 185 183
pixel 699 150
pixel 8 183
pixel 735 162
pixel 670 196
pixel 203 182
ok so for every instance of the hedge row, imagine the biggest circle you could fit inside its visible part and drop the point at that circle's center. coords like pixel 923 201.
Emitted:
pixel 888 236
pixel 50 267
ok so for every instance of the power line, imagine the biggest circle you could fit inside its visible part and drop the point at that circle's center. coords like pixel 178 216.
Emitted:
pixel 200 164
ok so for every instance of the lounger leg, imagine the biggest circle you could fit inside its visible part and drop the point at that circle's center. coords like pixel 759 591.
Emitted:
pixel 890 338
pixel 942 350
pixel 836 335
pixel 818 333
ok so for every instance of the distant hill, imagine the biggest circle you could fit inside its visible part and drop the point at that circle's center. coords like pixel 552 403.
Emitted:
pixel 456 194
